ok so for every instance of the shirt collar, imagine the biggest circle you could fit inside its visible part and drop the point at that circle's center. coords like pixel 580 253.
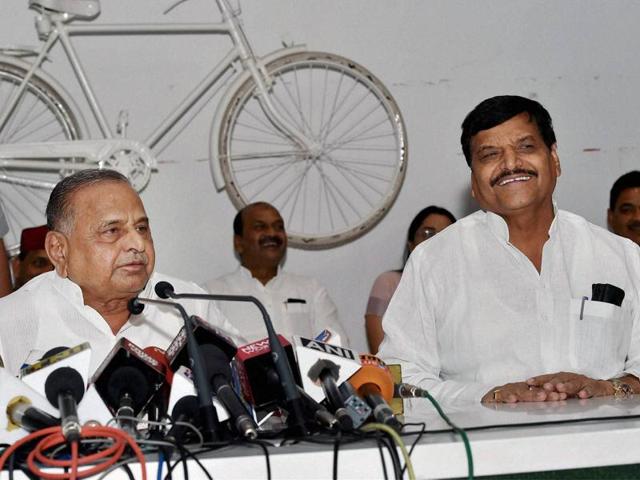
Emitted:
pixel 499 227
pixel 246 273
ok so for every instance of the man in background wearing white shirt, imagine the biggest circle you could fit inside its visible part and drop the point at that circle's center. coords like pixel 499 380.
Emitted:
pixel 100 244
pixel 296 304
pixel 500 307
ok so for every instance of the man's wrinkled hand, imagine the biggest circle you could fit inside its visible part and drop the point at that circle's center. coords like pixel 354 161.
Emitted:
pixel 563 385
pixel 515 392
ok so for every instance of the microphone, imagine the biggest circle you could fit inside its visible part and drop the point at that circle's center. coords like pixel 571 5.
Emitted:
pixel 186 410
pixel 283 368
pixel 15 422
pixel 64 388
pixel 62 378
pixel 374 383
pixel 127 379
pixel 260 383
pixel 259 380
pixel 203 390
pixel 219 372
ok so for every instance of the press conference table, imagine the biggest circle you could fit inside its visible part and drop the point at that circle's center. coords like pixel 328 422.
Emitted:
pixel 504 439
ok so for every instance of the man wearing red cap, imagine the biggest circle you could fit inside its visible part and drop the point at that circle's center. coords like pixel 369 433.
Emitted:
pixel 33 259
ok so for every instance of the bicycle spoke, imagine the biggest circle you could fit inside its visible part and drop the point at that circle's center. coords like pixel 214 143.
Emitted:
pixel 355 163
pixel 275 170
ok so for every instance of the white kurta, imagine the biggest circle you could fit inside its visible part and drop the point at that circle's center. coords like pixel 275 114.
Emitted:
pixel 49 312
pixel 296 304
pixel 472 312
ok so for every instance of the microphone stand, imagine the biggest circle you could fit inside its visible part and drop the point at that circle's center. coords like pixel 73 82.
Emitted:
pixel 283 368
pixel 200 380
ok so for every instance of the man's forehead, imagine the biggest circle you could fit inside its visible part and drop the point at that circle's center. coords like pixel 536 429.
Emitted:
pixel 517 127
pixel 107 201
pixel 262 213
pixel 629 196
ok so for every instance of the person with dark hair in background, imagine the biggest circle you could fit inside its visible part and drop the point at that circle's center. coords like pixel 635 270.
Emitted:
pixel 427 223
pixel 520 301
pixel 32 259
pixel 100 244
pixel 297 304
pixel 623 215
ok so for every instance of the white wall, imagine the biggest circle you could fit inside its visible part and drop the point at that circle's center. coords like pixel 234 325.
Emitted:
pixel 439 59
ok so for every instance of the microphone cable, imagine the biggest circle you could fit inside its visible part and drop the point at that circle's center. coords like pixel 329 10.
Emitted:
pixel 52 437
pixel 372 427
pixel 455 428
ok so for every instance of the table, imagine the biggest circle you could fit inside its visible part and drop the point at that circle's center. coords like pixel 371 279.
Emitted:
pixel 525 437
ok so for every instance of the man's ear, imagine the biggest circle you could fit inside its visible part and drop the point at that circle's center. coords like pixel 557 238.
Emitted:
pixel 237 244
pixel 610 219
pixel 57 248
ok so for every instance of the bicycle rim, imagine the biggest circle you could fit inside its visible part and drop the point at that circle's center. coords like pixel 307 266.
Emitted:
pixel 40 115
pixel 340 188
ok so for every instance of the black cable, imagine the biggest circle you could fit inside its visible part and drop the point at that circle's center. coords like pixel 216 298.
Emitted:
pixel 197 460
pixel 264 446
pixel 128 471
pixel 393 453
pixel 423 429
pixel 336 449
pixel 382 462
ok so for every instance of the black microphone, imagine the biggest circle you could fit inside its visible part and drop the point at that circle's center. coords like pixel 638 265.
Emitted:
pixel 327 373
pixel 186 410
pixel 126 380
pixel 64 388
pixel 260 382
pixel 203 390
pixel 292 395
pixel 20 412
pixel 219 372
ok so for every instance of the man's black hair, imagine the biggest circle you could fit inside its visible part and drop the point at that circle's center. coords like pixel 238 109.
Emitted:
pixel 238 225
pixel 497 110
pixel 628 180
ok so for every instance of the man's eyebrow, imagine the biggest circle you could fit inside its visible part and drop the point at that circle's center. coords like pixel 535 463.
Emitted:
pixel 143 219
pixel 110 223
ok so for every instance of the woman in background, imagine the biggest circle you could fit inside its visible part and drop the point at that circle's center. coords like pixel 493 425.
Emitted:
pixel 427 223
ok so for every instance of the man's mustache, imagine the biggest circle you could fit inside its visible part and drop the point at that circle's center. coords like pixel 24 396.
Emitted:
pixel 634 225
pixel 270 239
pixel 140 257
pixel 515 171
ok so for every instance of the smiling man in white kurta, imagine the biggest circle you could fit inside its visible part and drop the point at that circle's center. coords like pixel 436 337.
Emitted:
pixel 497 308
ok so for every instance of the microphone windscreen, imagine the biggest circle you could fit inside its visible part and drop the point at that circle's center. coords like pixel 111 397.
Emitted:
pixel 216 362
pixel 61 380
pixel 128 380
pixel 135 306
pixel 164 289
pixel 188 407
pixel 373 374
pixel 53 351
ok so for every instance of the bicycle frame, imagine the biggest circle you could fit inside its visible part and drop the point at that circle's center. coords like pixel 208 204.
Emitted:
pixel 57 26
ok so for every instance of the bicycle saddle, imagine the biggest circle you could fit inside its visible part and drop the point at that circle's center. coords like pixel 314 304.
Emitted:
pixel 79 8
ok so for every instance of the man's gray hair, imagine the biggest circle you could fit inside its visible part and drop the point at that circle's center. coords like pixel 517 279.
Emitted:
pixel 59 211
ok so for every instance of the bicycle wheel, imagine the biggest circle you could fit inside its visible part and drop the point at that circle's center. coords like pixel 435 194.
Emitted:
pixel 40 115
pixel 339 189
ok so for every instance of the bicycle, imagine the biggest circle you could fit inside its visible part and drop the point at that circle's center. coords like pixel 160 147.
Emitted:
pixel 313 133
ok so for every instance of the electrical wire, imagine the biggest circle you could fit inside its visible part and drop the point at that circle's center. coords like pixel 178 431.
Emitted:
pixel 51 437
pixel 370 427
pixel 458 430
pixel 336 448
